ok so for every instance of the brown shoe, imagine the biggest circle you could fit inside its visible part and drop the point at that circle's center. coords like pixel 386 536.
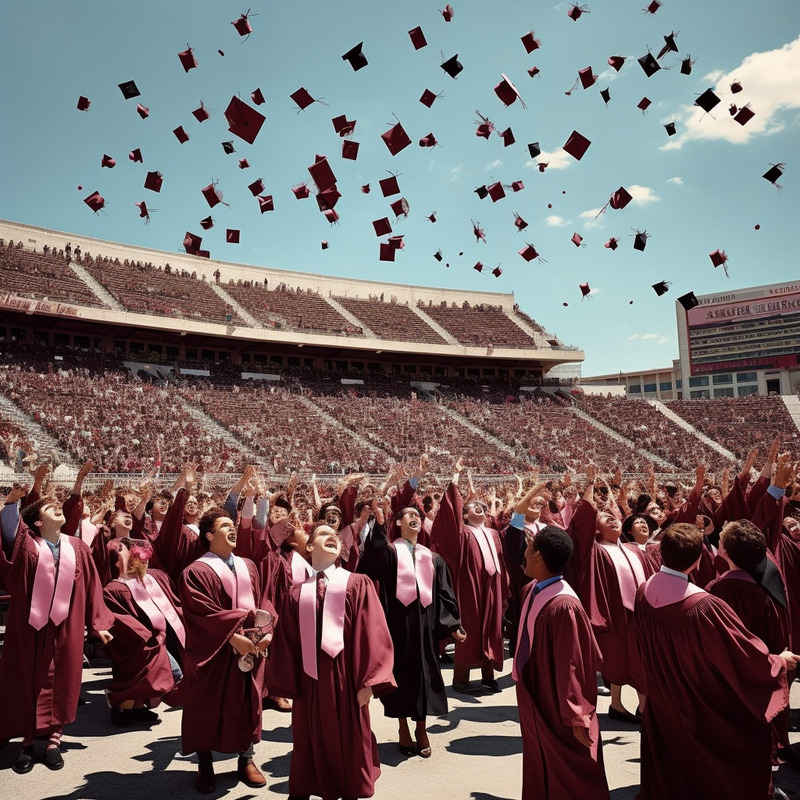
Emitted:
pixel 249 773
pixel 206 782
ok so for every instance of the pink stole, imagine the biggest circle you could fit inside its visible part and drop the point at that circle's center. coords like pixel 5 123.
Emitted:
pixel 238 587
pixel 414 571
pixel 333 607
pixel 530 611
pixel 532 528
pixel 301 569
pixel 663 589
pixel 629 572
pixel 88 531
pixel 52 593
pixel 150 597
pixel 488 548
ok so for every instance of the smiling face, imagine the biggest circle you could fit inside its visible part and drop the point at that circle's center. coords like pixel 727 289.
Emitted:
pixel 475 513
pixel 410 524
pixel 333 517
pixel 222 537
pixel 640 531
pixel 609 526
pixel 51 515
pixel 793 527
pixel 324 546
pixel 191 508
pixel 122 524
pixel 654 511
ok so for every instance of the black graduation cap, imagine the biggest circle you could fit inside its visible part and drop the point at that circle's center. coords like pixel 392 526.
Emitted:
pixel 129 89
pixel 670 128
pixel 649 64
pixel 640 240
pixel 686 65
pixel 438 255
pixel 482 191
pixel 707 100
pixel 228 147
pixel 669 44
pixel 688 301
pixel 452 66
pixel 662 287
pixel 534 149
pixel 356 57
pixel 773 173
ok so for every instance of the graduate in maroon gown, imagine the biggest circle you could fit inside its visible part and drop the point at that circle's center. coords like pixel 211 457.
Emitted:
pixel 147 624
pixel 712 687
pixel 555 667
pixel 420 605
pixel 473 552
pixel 332 652
pixel 222 705
pixel 55 593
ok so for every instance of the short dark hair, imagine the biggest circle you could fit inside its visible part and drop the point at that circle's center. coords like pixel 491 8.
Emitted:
pixel 744 543
pixel 207 521
pixel 555 547
pixel 681 546
pixel 30 514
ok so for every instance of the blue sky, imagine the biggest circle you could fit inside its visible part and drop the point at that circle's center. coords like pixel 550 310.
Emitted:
pixel 695 192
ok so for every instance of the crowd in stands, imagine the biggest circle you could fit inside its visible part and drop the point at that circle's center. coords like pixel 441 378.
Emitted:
pixel 478 325
pixel 391 320
pixel 42 276
pixel 649 429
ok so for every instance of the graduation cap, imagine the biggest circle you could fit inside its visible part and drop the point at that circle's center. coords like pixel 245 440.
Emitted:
pixel 517 186
pixel 129 90
pixel 206 223
pixel 365 188
pixel 192 242
pixel 257 96
pixel 232 236
pixel 669 45
pixel 616 62
pixel 301 191
pixel 620 198
pixel 686 65
pixel 652 6
pixel 482 192
pixel 662 287
pixel 478 232
pixel 507 92
pixel 448 13
pixel 242 25
pixel 585 290
pixel 266 203
pixel 496 191
pixel 382 226
pixel 640 240
pixel 256 187
pixel 356 57
pixel 343 126
pixel 108 161
pixel 417 38
pixel 530 42
pixel 143 212
pixel 542 165
pixel 212 194
pixel 643 104
pixel 688 301
pixel 387 251
pixel 428 97
pixel 485 126
pixel 519 222
pixel 201 114
pixel 323 244
pixel 400 208
pixel 142 111
pixel 187 59
pixel 533 71
pixel 153 181
pixel 180 134
pixel 243 120
pixel 508 137
pixel 428 141
pixel 670 128
pixel 497 272
pixel 575 11
pixel 577 239
pixel 136 155
pixel 350 149
pixel 328 199
pixel 612 243
pixel 529 252
pixel 228 147
pixel 84 103
pixel 438 255
pixel 576 145
pixel 302 98
pixel 331 215
pixel 95 201
pixel 322 173
pixel 431 217
pixel 707 101
pixel 586 77
pixel 719 258
pixel 389 186
pixel 397 242
pixel 745 115
pixel 244 163
pixel 534 149
pixel 478 266
pixel 649 64
pixel 452 66
pixel 736 87
pixel 606 95
pixel 396 139
pixel 773 173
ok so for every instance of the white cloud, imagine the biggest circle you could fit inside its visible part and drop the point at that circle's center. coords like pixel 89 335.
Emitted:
pixel 642 195
pixel 554 221
pixel 590 213
pixel 557 159
pixel 650 336
pixel 659 338
pixel 455 172
pixel 594 290
pixel 770 84
pixel 633 337
pixel 497 163
pixel 678 181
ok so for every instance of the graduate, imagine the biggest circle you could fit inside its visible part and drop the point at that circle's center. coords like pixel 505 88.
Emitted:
pixel 555 667
pixel 420 605
pixel 332 653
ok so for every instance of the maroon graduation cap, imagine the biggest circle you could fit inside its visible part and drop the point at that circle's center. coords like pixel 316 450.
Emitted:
pixel 519 222
pixel 108 161
pixel 323 244
pixel 266 203
pixel 153 181
pixel 744 115
pixel 350 149
pixel 400 208
pixel 533 71
pixel 187 59
pixel 431 217
pixel 201 114
pixel 331 215
pixel 343 126
pixel 478 267
pixel 736 87
pixel 661 288
pixel 530 42
pixel 496 191
pixel 612 243
pixel 232 236
pixel 135 155
pixel 387 251
pixel 302 98
pixel 587 77
pixel 616 62
pixel 620 198
pixel 95 201
pixel 643 104
pixel 382 226
pixel 142 111
pixel 192 242
pixel 576 145
pixel 256 187
pixel 585 290
pixel 181 135
pixel 507 92
pixel 719 258
pixel 143 212
pixel 652 6
pixel 243 120
pixel 389 186
pixel 508 137
pixel 207 223
pixel 242 25
pixel 257 96
pixel 447 13
pixel 84 103
pixel 328 199
pixel 577 239
pixel 301 191
pixel 485 126
pixel 417 38
pixel 529 252
pixel 438 255
pixel 355 56
pixel 365 188
pixel 212 194
pixel 396 139
pixel 517 186
pixel 244 163
pixel 428 98
pixel 478 232
pixel 497 272
pixel 428 141
pixel 322 173
pixel 575 11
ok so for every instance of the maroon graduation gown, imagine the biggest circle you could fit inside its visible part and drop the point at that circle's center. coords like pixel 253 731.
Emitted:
pixel 557 689
pixel 712 688
pixel 40 671
pixel 481 597
pixel 222 705
pixel 334 750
